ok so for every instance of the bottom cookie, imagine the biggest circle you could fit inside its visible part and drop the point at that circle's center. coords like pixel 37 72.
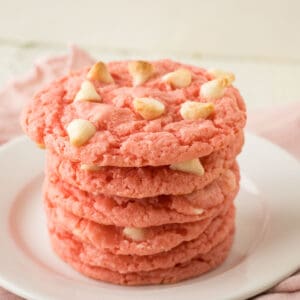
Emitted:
pixel 198 265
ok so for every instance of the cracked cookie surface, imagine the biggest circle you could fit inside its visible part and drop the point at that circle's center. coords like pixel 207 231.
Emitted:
pixel 123 137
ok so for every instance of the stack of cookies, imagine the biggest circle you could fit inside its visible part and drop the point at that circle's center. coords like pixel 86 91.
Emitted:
pixel 141 168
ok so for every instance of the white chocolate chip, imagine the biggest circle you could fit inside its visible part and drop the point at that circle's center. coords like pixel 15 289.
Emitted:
pixel 198 211
pixel 87 92
pixel 213 89
pixel 140 71
pixel 192 110
pixel 136 234
pixel 148 108
pixel 193 166
pixel 178 79
pixel 99 72
pixel 90 167
pixel 80 131
pixel 216 73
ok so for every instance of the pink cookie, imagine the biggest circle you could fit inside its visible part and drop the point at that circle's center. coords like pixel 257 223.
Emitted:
pixel 219 229
pixel 153 239
pixel 198 265
pixel 123 137
pixel 164 209
pixel 142 182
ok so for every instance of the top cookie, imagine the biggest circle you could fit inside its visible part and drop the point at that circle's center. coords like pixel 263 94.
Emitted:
pixel 133 114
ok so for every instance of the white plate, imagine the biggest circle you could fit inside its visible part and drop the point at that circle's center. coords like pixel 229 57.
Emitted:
pixel 266 247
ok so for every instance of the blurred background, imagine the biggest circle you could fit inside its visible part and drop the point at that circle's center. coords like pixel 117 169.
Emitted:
pixel 258 40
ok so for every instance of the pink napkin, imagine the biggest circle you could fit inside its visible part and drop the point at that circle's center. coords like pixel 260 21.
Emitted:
pixel 17 92
pixel 281 125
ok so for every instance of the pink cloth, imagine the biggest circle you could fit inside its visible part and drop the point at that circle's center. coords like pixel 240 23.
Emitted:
pixel 281 125
pixel 17 92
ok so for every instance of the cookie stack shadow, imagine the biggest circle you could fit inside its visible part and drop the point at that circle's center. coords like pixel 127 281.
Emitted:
pixel 142 224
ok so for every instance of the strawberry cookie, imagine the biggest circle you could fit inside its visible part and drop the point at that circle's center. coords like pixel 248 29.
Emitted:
pixel 134 114
pixel 73 253
pixel 155 211
pixel 219 229
pixel 145 181
pixel 129 240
